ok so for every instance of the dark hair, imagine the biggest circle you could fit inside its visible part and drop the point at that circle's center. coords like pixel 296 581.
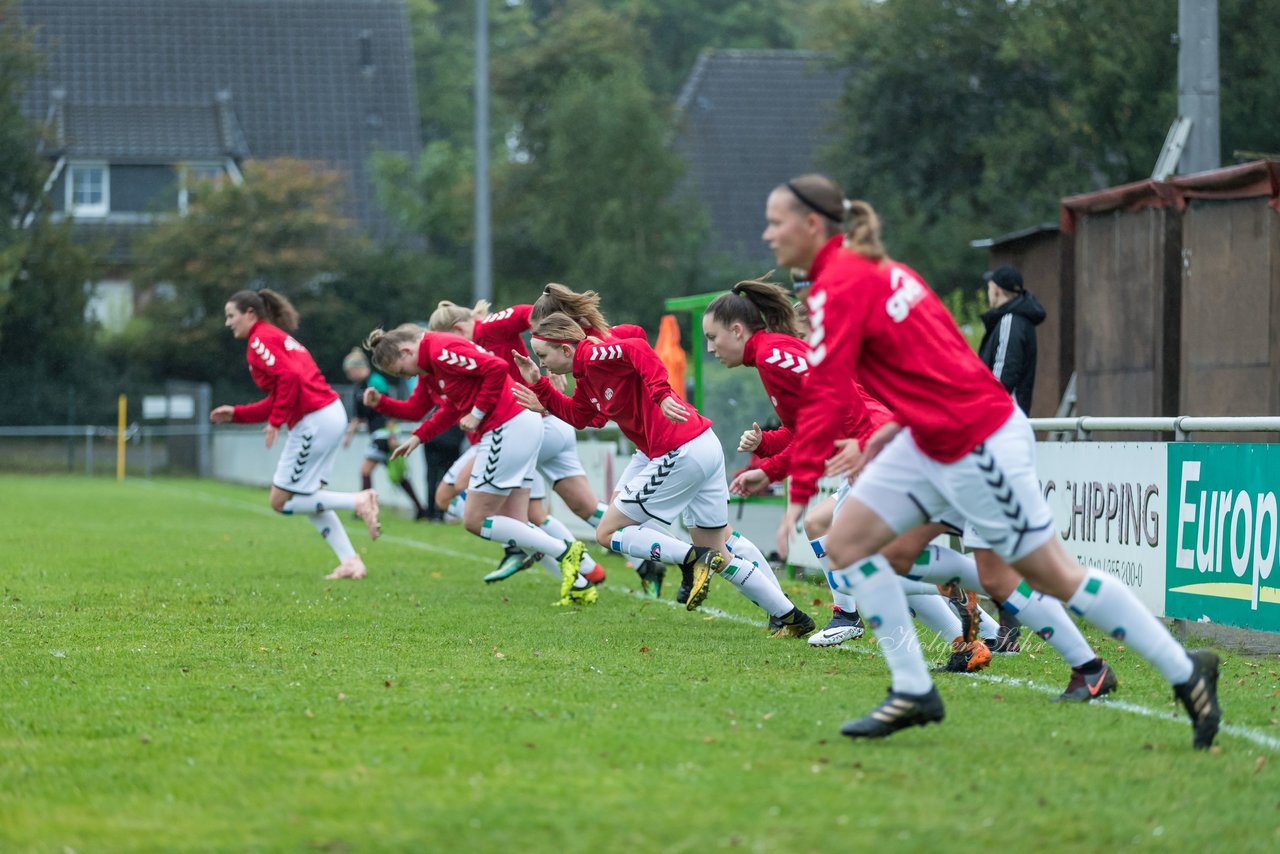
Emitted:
pixel 268 305
pixel 818 194
pixel 583 307
pixel 757 304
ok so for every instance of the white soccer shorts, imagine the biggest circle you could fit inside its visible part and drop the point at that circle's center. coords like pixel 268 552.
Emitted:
pixel 689 479
pixel 507 456
pixel 311 449
pixel 994 487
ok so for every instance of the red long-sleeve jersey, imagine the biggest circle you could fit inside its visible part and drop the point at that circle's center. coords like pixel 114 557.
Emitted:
pixel 880 322
pixel 622 380
pixel 500 332
pixel 782 362
pixel 284 369
pixel 465 378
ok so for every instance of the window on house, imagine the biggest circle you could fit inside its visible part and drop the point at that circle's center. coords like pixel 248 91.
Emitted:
pixel 88 189
pixel 195 175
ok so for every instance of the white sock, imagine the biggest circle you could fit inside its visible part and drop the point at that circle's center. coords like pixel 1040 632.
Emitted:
pixel 1109 605
pixel 551 565
pixel 988 626
pixel 557 529
pixel 932 610
pixel 320 501
pixel 911 587
pixel 740 547
pixel 594 519
pixel 649 544
pixel 843 600
pixel 752 582
pixel 330 527
pixel 941 565
pixel 884 611
pixel 508 531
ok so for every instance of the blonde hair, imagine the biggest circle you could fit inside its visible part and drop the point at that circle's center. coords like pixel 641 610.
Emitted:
pixel 583 308
pixel 862 231
pixel 558 326
pixel 385 346
pixel 448 313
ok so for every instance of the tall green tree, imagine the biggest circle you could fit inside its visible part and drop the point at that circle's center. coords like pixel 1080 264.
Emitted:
pixel 23 171
pixel 591 204
pixel 281 229
pixel 969 118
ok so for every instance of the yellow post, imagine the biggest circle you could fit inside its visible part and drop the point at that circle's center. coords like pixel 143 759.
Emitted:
pixel 120 439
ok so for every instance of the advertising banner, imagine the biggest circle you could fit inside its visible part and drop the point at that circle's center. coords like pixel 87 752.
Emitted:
pixel 1221 550
pixel 1109 502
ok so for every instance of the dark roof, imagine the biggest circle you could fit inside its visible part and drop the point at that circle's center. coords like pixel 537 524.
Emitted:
pixel 148 134
pixel 746 121
pixel 326 80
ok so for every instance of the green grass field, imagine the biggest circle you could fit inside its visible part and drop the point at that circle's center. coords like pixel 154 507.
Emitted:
pixel 177 675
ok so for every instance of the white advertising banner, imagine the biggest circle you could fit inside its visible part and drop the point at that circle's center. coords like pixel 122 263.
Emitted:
pixel 1109 502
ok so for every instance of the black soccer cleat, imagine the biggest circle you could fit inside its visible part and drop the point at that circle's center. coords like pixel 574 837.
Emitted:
pixel 651 574
pixel 686 584
pixel 898 711
pixel 1199 696
pixel 1083 687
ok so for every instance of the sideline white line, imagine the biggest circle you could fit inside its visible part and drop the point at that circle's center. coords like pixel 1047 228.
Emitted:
pixel 236 504
pixel 1239 731
pixel 1247 733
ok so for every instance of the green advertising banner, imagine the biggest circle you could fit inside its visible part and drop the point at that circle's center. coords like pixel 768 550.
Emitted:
pixel 1221 547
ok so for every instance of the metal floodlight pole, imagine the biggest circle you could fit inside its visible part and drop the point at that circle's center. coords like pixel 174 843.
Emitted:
pixel 482 251
pixel 1198 87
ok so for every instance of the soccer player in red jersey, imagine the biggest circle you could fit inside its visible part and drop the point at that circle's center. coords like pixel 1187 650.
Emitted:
pixel 297 397
pixel 682 471
pixel 957 440
pixel 474 390
pixel 756 325
pixel 500 333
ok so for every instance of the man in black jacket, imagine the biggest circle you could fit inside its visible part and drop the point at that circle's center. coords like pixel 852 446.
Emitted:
pixel 1009 344
pixel 1009 349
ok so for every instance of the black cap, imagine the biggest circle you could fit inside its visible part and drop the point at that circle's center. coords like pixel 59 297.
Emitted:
pixel 1007 277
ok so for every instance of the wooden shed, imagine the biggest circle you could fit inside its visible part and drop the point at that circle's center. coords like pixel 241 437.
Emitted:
pixel 1177 294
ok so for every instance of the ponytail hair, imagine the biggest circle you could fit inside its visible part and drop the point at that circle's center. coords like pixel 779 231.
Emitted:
pixel 583 308
pixel 268 305
pixel 384 346
pixel 448 313
pixel 559 328
pixel 862 231
pixel 757 304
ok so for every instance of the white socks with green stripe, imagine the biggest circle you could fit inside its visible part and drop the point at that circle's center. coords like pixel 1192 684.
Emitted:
pixel 645 543
pixel 843 600
pixel 1112 607
pixel 883 606
pixel 594 519
pixel 758 584
pixel 932 610
pixel 941 565
pixel 513 532
pixel 560 531
pixel 330 527
pixel 320 501
pixel 1045 616
pixel 740 547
